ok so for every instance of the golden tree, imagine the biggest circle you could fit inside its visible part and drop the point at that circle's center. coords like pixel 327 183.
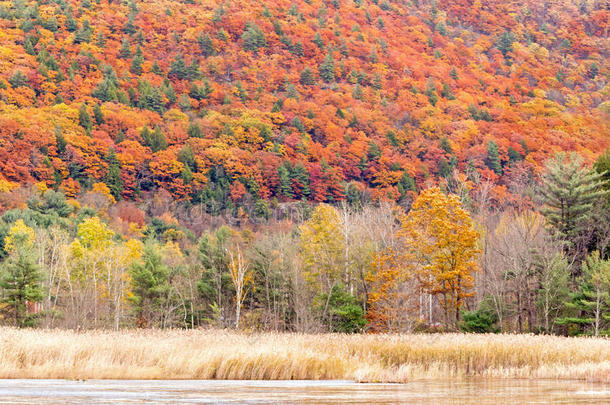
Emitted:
pixel 440 242
pixel 322 250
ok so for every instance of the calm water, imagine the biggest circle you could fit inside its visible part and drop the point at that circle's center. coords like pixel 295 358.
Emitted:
pixel 480 392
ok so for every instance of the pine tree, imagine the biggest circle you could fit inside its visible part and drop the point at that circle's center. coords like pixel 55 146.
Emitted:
pixel 136 62
pixel 493 157
pixel 98 115
pixel 129 27
pixel 20 276
pixel 145 136
pixel 157 140
pixel 318 41
pixel 187 157
pixel 168 90
pixel 84 119
pixel 300 179
pixel 297 49
pixel 602 166
pixel 307 77
pixel 84 33
pixel 205 45
pixel 431 92
pixel 591 303
pixel 505 43
pixel 125 51
pixel 150 282
pixel 253 38
pixel 569 191
pixel 194 130
pixel 453 73
pixel 113 176
pixel 178 69
pixel 192 72
pixel 156 69
pixel 71 24
pixel 60 140
pixel 327 69
pixel 149 97
pixel 285 188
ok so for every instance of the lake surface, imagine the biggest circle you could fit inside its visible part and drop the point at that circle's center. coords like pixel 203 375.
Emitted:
pixel 474 391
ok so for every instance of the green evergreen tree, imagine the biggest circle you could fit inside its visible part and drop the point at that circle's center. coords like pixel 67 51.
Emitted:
pixel 187 175
pixel 431 92
pixel 150 285
pixel 18 79
pixel 187 157
pixel 71 24
pixel 345 315
pixel 569 191
pixel 262 209
pixel 298 49
pixel 98 115
pixel 447 92
pixel 145 136
pixel 192 72
pixel 327 69
pixel 453 73
pixel 307 77
pixel 168 89
pixel 205 45
pixel 150 97
pixel 285 186
pixel 101 40
pixel 194 130
pixel 493 157
pixel 157 140
pixel 136 62
pixel 602 166
pixel 178 68
pixel 253 37
pixel 406 183
pixel 300 179
pixel 113 176
pixel 318 41
pixel 125 51
pixel 593 70
pixel 505 43
pixel 590 305
pixel 200 92
pixel 84 119
pixel 84 33
pixel 129 27
pixel 156 69
pixel 60 141
pixel 20 281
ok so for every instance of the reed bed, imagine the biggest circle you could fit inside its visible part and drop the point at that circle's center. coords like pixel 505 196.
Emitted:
pixel 205 354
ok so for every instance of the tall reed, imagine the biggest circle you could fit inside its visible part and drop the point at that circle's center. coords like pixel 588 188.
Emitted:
pixel 200 354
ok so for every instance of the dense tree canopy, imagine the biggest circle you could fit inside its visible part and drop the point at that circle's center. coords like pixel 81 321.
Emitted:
pixel 295 100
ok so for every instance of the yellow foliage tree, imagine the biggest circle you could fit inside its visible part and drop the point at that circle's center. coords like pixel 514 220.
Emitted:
pixel 19 234
pixel 442 243
pixel 322 249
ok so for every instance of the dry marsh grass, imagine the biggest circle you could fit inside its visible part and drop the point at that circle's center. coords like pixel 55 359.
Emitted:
pixel 199 354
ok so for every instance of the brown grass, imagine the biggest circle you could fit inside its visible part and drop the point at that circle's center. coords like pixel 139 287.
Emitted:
pixel 179 354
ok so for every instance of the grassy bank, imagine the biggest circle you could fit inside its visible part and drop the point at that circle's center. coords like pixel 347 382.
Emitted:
pixel 227 355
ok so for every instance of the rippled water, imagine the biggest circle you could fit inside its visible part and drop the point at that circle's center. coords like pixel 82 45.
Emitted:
pixel 474 391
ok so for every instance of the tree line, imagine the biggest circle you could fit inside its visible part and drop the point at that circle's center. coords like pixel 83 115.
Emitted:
pixel 445 261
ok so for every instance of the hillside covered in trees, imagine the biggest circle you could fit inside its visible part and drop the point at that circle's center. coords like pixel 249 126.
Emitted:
pixel 229 103
pixel 307 165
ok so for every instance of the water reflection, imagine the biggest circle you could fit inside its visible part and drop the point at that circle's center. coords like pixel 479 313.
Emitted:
pixel 474 391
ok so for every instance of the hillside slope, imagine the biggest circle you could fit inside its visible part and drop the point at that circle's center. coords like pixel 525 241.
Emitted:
pixel 226 103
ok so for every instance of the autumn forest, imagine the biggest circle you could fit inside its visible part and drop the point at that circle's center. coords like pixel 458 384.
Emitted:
pixel 306 165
